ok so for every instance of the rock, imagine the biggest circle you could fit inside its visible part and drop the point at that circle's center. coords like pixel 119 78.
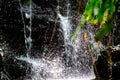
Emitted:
pixel 102 66
pixel 46 3
pixel 108 63
pixel 116 70
pixel 16 69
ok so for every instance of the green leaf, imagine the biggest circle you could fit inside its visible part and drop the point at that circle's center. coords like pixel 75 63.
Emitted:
pixel 104 30
pixel 100 12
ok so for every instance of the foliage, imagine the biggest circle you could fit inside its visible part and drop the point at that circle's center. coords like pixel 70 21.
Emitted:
pixel 100 12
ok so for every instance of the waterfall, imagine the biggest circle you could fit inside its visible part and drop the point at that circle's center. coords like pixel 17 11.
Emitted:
pixel 35 42
pixel 74 64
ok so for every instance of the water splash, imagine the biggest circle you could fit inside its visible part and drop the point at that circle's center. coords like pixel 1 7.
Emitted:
pixel 43 69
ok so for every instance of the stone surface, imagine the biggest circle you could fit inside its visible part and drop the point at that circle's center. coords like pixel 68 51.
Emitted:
pixel 116 70
pixel 15 69
pixel 108 63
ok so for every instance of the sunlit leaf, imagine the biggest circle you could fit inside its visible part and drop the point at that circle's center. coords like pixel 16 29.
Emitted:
pixel 95 21
pixel 98 12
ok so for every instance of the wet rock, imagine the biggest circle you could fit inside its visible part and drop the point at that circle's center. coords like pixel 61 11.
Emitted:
pixel 11 24
pixel 46 3
pixel 108 63
pixel 16 69
pixel 1 64
pixel 102 67
pixel 116 70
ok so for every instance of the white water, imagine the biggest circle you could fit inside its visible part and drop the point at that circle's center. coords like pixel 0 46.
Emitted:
pixel 66 26
pixel 43 69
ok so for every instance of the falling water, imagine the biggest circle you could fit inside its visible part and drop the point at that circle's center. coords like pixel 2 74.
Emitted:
pixel 27 26
pixel 67 28
pixel 65 25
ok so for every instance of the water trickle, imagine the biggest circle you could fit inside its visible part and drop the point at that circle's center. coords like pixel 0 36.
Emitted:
pixel 27 26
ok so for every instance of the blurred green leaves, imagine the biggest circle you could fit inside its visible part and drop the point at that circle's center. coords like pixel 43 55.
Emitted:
pixel 100 12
